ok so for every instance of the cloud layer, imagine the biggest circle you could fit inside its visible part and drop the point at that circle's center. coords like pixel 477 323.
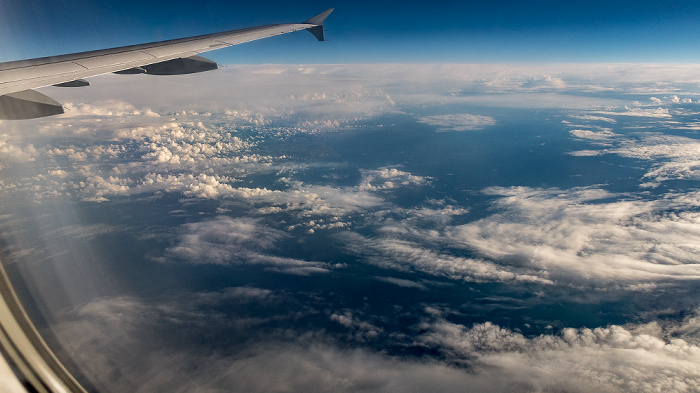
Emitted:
pixel 482 357
pixel 253 173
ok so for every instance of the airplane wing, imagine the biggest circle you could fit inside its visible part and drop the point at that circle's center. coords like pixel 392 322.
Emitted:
pixel 171 57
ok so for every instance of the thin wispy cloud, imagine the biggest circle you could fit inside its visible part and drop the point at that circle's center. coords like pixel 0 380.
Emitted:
pixel 458 122
pixel 242 241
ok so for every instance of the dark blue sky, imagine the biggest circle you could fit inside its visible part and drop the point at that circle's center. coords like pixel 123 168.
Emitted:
pixel 368 32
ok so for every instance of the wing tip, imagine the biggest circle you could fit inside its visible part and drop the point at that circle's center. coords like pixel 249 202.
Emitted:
pixel 318 19
pixel 317 24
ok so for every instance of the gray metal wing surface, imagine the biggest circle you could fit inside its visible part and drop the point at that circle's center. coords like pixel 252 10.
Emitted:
pixel 177 56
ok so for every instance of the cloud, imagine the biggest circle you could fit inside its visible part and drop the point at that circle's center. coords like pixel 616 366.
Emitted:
pixel 98 162
pixel 659 146
pixel 581 235
pixel 443 212
pixel 544 81
pixel 277 101
pixel 658 113
pixel 317 207
pixel 594 118
pixel 185 152
pixel 673 99
pixel 673 157
pixel 609 359
pixel 401 282
pixel 124 343
pixel 129 354
pixel 599 135
pixel 235 294
pixel 345 93
pixel 669 157
pixel 241 241
pixel 389 178
pixel 458 122
pixel 403 255
pixel 107 108
pixel 359 330
pixel 206 144
pixel 14 152
pixel 587 153
pixel 200 186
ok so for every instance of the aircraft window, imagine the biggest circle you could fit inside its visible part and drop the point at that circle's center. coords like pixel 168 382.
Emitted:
pixel 404 226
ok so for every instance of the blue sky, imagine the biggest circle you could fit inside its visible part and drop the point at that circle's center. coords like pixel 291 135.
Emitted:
pixel 369 32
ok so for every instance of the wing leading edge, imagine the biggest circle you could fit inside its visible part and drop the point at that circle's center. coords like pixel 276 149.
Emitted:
pixel 171 57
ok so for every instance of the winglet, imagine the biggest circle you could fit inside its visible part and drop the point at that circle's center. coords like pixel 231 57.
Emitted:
pixel 317 21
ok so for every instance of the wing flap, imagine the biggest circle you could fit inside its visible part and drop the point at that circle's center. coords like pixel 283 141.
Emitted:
pixel 179 66
pixel 74 83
